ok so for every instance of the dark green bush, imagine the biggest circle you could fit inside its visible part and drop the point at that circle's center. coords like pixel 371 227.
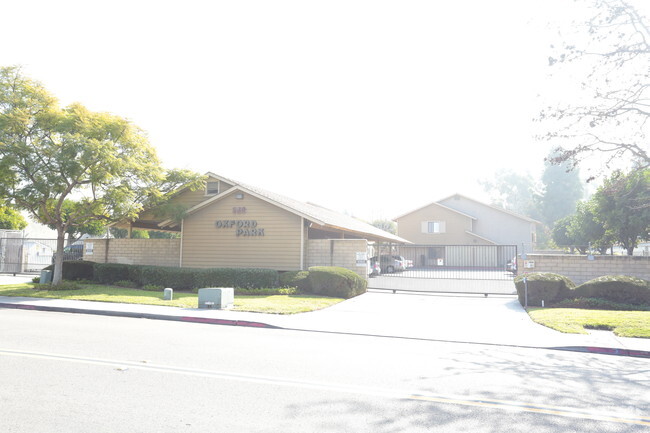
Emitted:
pixel 247 278
pixel 153 288
pixel 267 292
pixel 76 270
pixel 108 273
pixel 252 278
pixel 297 279
pixel 598 304
pixel 336 282
pixel 176 278
pixel 185 278
pixel 214 277
pixel 617 288
pixel 126 283
pixel 543 286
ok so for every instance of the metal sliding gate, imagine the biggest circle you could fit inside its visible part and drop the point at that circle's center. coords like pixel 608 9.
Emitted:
pixel 445 268
pixel 24 255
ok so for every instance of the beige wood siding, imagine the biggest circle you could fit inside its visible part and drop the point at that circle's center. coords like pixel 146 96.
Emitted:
pixel 205 245
pixel 456 225
pixel 187 198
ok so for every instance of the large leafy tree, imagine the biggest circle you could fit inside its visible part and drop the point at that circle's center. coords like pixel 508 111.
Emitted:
pixel 561 191
pixel 68 167
pixel 621 203
pixel 608 54
pixel 10 219
pixel 512 191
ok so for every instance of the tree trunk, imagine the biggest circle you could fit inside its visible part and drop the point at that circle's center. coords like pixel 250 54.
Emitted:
pixel 58 257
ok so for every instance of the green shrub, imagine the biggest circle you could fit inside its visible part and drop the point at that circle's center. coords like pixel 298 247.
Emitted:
pixel 185 278
pixel 617 288
pixel 336 282
pixel 246 278
pixel 598 304
pixel 108 273
pixel 176 278
pixel 64 285
pixel 543 286
pixel 76 270
pixel 252 278
pixel 153 288
pixel 36 280
pixel 126 283
pixel 267 292
pixel 297 279
pixel 214 277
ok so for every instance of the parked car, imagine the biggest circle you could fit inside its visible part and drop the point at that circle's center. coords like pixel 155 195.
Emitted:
pixel 389 264
pixel 72 252
pixel 406 262
pixel 373 267
pixel 511 266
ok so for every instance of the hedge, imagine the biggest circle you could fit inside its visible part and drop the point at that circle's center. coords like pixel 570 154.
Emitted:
pixel 297 279
pixel 543 286
pixel 75 270
pixel 185 278
pixel 616 288
pixel 336 282
pixel 108 273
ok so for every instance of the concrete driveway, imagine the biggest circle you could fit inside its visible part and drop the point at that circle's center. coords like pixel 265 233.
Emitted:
pixel 499 320
pixel 468 318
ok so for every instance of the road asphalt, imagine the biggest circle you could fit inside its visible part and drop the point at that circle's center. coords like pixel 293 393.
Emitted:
pixel 476 319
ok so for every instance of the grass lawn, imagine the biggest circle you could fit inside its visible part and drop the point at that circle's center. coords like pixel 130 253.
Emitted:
pixel 275 304
pixel 573 320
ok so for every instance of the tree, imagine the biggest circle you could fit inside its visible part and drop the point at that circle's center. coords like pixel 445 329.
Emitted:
pixel 10 219
pixel 385 225
pixel 610 53
pixel 560 233
pixel 562 188
pixel 512 191
pixel 587 230
pixel 75 231
pixel 69 167
pixel 621 204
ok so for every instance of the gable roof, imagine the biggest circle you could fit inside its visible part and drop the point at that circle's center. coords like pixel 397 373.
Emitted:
pixel 318 215
pixel 500 209
pixel 439 203
pixel 435 203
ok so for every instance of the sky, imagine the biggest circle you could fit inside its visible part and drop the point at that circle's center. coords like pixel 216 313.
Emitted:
pixel 372 108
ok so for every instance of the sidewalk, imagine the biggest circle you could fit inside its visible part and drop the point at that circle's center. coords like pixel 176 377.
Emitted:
pixel 496 320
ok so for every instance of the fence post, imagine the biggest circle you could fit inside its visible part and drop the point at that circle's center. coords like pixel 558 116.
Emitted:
pixel 525 293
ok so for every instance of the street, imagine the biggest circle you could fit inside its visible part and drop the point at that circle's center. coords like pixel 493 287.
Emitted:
pixel 80 373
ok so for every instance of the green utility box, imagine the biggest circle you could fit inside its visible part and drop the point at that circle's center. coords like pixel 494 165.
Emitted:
pixel 216 297
pixel 46 277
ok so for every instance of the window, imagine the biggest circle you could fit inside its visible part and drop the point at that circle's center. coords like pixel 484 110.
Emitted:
pixel 433 227
pixel 212 188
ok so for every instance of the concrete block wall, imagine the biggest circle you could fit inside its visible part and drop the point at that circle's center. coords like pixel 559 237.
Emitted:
pixel 155 252
pixel 579 269
pixel 337 252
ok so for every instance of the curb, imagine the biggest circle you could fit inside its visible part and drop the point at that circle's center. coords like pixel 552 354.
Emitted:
pixel 250 324
pixel 605 351
pixel 136 315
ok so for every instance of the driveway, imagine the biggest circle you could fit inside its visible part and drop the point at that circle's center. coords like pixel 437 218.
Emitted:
pixel 498 319
pixel 494 283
